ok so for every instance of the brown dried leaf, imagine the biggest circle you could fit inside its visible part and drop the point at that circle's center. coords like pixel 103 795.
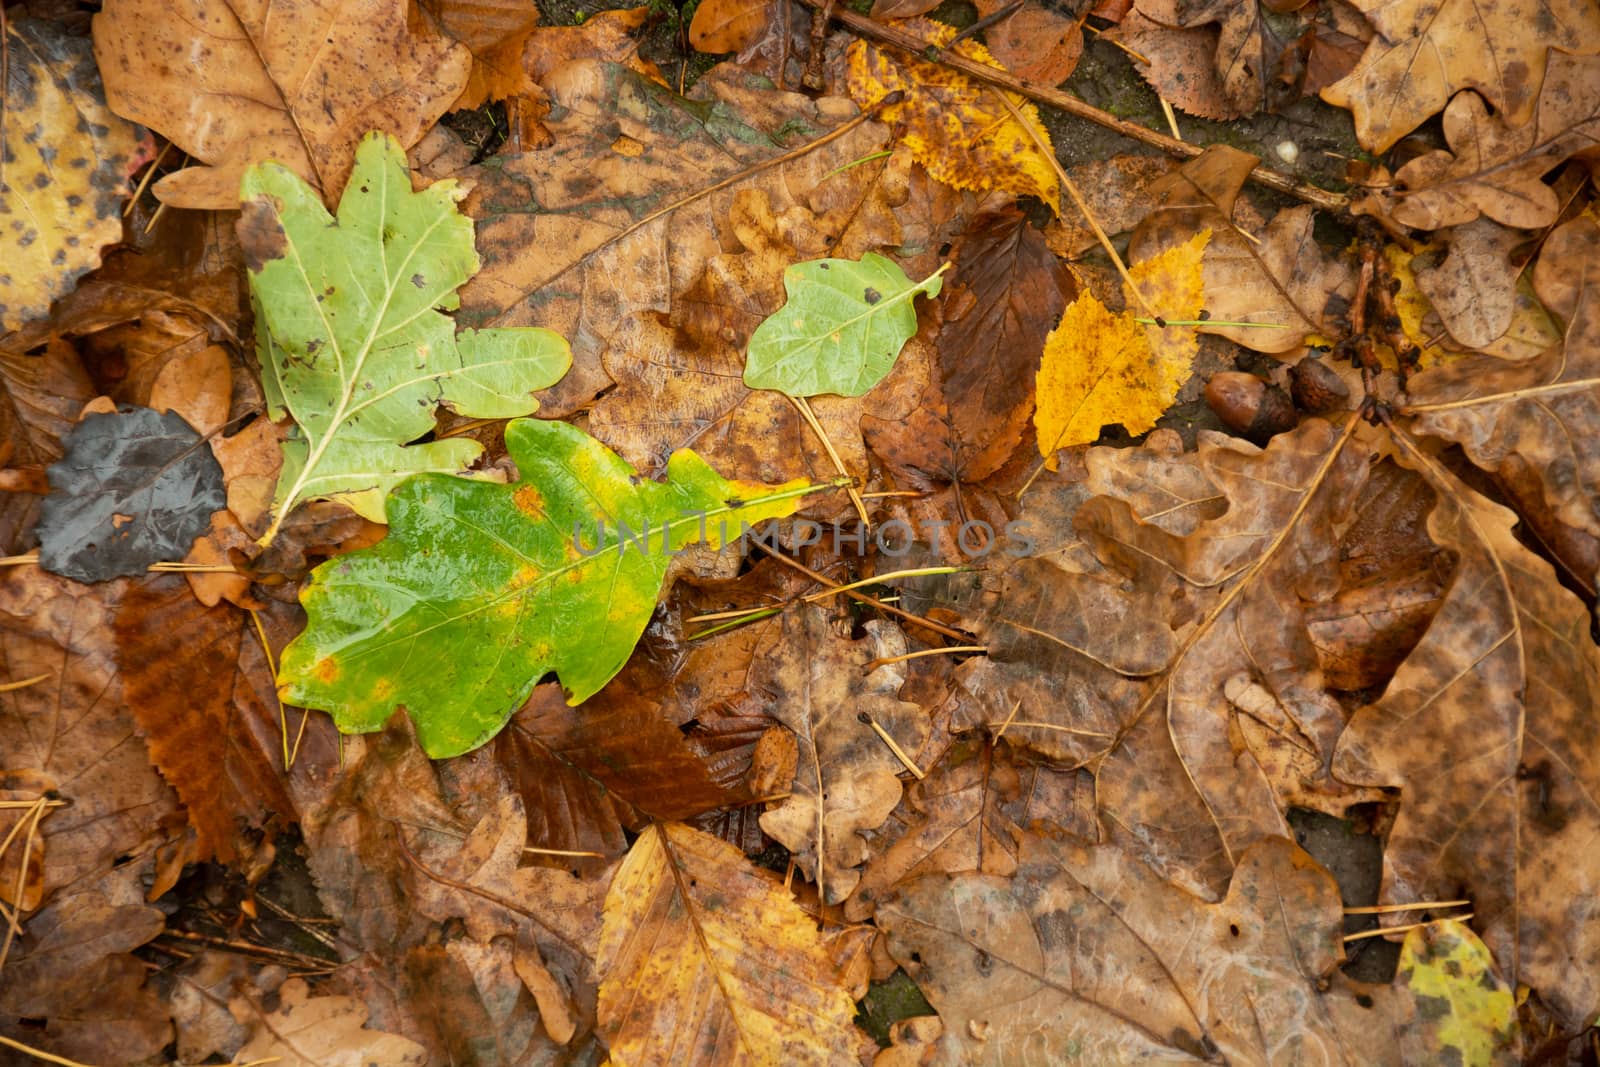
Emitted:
pixel 1474 289
pixel 729 25
pixel 1036 43
pixel 700 951
pixel 1091 954
pixel 495 31
pixel 1486 729
pixel 816 683
pixel 1495 167
pixel 1542 409
pixel 40 398
pixel 306 1031
pixel 1005 295
pixel 1250 49
pixel 203 693
pixel 621 215
pixel 1425 51
pixel 74 727
pixel 298 84
pixel 1182 65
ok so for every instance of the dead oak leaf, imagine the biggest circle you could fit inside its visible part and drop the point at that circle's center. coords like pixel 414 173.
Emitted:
pixel 297 84
pixel 701 951
pixel 1426 51
pixel 1535 409
pixel 1496 167
pixel 847 781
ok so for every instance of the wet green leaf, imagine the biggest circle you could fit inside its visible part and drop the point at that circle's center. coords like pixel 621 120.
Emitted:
pixel 481 589
pixel 841 329
pixel 352 339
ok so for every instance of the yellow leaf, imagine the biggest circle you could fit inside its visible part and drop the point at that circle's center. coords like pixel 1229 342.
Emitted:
pixel 1465 1011
pixel 1101 367
pixel 66 162
pixel 706 959
pixel 957 129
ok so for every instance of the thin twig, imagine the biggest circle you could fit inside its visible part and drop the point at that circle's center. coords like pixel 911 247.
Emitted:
pixel 873 665
pixel 862 597
pixel 899 753
pixel 1384 930
pixel 1421 905
pixel 804 407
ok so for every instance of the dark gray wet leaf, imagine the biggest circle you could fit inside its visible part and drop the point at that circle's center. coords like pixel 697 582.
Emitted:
pixel 134 488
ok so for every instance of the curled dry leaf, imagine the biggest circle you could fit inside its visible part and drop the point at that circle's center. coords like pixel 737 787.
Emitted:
pixel 67 162
pixel 818 685
pixel 1536 409
pixel 1495 166
pixel 297 84
pixel 1484 730
pixel 1089 953
pixel 1425 51
pixel 700 950
pixel 958 129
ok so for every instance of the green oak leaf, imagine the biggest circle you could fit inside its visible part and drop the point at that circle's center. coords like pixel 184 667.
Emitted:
pixel 480 589
pixel 352 337
pixel 841 329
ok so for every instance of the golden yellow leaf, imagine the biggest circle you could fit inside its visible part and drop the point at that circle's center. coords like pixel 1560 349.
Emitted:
pixel 67 158
pixel 1102 367
pixel 707 959
pixel 955 127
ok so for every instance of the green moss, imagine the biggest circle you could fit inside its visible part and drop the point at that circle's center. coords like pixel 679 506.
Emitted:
pixel 889 1001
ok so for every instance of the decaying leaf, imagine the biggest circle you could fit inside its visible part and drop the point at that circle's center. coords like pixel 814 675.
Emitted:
pixel 1249 50
pixel 1474 288
pixel 1101 368
pixel 1536 409
pixel 297 85
pixel 958 129
pixel 1425 51
pixel 1054 969
pixel 133 488
pixel 840 330
pixel 848 777
pixel 67 162
pixel 559 571
pixel 41 397
pixel 352 337
pixel 1495 166
pixel 1482 730
pixel 700 951
pixel 1465 1010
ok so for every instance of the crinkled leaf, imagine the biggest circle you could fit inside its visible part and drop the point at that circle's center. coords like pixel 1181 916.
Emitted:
pixel 841 329
pixel 702 951
pixel 353 341
pixel 480 589
pixel 134 488
pixel 67 159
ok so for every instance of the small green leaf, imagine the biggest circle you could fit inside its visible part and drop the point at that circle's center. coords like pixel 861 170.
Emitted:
pixel 1465 1013
pixel 481 589
pixel 841 329
pixel 352 338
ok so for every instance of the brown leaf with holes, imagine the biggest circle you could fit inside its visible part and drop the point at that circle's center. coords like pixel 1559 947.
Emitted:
pixel 298 83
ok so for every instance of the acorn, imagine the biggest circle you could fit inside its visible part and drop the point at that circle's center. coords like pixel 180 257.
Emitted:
pixel 1251 407
pixel 1316 388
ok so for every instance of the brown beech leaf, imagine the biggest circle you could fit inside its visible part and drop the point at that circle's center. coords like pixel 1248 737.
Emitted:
pixel 1496 167
pixel 1487 731
pixel 1035 42
pixel 702 951
pixel 298 84
pixel 1182 67
pixel 816 683
pixel 1281 278
pixel 72 971
pixel 1426 51
pixel 1004 297
pixel 728 25
pixel 1541 409
pixel 1474 289
pixel 1253 37
pixel 305 1031
pixel 40 398
pixel 622 213
pixel 202 690
pixel 74 727
pixel 1090 954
